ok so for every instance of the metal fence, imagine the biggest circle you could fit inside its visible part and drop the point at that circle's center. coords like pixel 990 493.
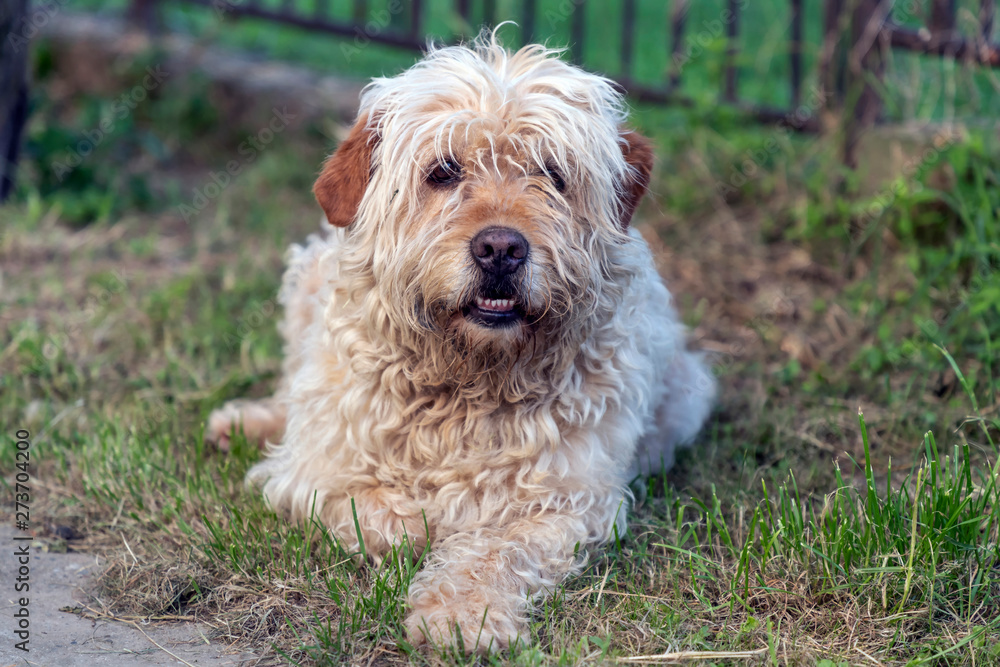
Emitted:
pixel 856 36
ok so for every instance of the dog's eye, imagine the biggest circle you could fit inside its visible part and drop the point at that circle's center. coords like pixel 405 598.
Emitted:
pixel 445 173
pixel 555 177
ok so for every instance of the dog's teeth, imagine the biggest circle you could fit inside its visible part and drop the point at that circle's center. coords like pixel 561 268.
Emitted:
pixel 494 304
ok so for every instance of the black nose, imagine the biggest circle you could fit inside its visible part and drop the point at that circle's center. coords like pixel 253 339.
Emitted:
pixel 499 250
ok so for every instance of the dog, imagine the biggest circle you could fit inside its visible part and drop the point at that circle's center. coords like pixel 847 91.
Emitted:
pixel 479 352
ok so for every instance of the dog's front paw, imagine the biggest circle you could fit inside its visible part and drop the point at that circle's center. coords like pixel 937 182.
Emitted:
pixel 260 421
pixel 445 610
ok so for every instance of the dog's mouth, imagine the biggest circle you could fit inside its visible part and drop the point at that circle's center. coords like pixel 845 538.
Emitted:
pixel 494 311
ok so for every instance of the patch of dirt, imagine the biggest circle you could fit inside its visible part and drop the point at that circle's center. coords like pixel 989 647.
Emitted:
pixel 752 299
pixel 759 307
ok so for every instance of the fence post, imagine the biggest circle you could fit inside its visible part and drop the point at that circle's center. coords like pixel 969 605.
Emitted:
pixel 832 54
pixel 852 68
pixel 942 19
pixel 13 88
pixel 987 12
pixel 144 14
pixel 865 72
pixel 678 16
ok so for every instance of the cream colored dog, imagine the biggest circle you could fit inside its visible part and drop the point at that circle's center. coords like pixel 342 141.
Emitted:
pixel 479 338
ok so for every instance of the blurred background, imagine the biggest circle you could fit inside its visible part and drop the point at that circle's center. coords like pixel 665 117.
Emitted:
pixel 825 209
pixel 818 67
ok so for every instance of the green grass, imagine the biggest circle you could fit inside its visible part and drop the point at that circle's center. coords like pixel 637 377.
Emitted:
pixel 795 528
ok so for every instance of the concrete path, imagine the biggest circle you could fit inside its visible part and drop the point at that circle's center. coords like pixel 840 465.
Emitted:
pixel 63 639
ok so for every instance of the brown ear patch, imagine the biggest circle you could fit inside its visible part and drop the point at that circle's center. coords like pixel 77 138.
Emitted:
pixel 638 153
pixel 345 175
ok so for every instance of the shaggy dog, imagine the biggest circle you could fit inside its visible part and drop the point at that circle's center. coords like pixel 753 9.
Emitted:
pixel 480 353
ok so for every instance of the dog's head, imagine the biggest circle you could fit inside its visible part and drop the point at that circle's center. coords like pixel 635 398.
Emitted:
pixel 487 191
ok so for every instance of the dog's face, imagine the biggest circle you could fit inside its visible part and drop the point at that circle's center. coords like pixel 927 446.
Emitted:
pixel 489 191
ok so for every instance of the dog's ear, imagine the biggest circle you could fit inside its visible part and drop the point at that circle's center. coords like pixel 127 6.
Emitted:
pixel 638 153
pixel 346 173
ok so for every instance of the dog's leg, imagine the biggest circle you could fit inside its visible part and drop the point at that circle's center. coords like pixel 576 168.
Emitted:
pixel 386 518
pixel 689 393
pixel 325 489
pixel 480 584
pixel 261 421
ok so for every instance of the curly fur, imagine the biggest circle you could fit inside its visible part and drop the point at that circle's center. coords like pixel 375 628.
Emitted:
pixel 517 444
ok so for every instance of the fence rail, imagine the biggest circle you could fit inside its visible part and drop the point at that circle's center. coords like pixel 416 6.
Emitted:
pixel 857 35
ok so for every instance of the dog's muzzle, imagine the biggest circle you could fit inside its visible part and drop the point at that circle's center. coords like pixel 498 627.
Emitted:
pixel 500 253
